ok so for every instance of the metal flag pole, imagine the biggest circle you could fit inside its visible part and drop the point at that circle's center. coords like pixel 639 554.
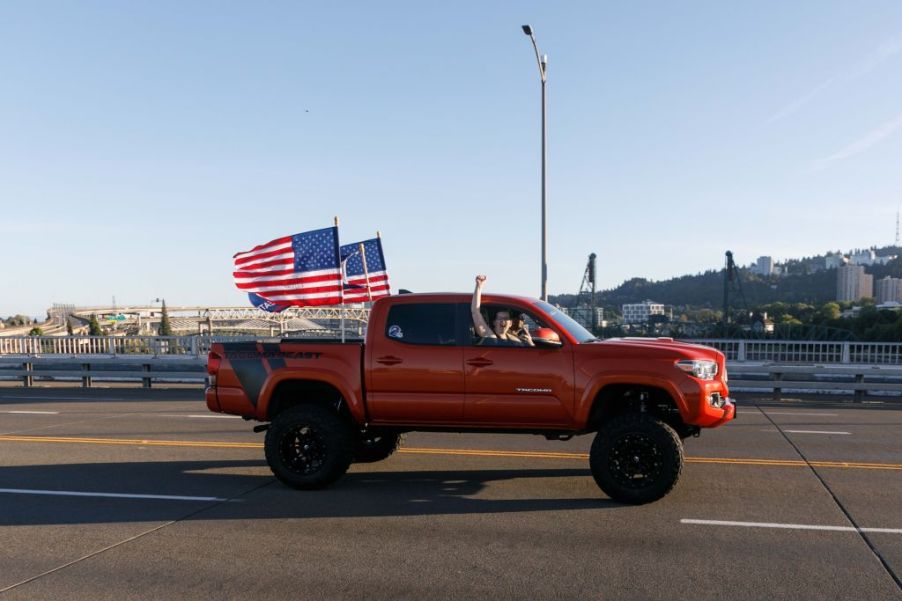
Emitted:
pixel 341 310
pixel 382 256
pixel 366 273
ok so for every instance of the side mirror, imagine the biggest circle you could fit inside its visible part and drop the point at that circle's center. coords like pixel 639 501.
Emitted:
pixel 546 337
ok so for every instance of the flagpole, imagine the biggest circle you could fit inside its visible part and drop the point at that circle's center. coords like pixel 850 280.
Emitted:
pixel 366 273
pixel 341 310
pixel 381 257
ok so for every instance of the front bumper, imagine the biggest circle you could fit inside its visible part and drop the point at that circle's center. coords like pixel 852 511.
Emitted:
pixel 709 405
pixel 729 413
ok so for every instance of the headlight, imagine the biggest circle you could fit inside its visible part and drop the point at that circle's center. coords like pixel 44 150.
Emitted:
pixel 703 369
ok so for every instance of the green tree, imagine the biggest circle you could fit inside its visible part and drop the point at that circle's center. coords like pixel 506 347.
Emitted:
pixel 829 311
pixel 165 325
pixel 94 327
pixel 36 331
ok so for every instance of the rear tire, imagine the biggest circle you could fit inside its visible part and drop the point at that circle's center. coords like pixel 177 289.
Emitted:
pixel 376 445
pixel 636 458
pixel 308 446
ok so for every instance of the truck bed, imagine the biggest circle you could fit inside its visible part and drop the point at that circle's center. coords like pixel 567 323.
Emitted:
pixel 250 374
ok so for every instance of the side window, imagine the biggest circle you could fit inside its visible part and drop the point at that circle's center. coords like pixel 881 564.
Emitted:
pixel 519 319
pixel 431 323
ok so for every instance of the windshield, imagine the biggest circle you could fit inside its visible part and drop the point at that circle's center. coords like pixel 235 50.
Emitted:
pixel 573 328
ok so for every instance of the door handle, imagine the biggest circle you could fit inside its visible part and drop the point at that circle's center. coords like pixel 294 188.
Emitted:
pixel 389 360
pixel 480 362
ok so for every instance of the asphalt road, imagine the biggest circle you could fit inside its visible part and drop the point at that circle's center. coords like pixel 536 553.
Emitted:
pixel 133 494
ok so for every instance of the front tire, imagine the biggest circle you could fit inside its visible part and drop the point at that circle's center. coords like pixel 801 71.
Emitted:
pixel 308 447
pixel 636 458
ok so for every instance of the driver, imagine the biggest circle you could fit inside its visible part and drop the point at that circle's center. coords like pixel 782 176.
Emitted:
pixel 501 325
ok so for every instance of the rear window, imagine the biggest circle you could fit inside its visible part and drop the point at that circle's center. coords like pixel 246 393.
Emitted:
pixel 431 323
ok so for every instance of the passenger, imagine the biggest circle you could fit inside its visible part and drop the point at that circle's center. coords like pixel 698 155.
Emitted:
pixel 520 329
pixel 501 325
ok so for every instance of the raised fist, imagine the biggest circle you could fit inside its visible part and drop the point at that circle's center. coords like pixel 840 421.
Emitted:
pixel 480 279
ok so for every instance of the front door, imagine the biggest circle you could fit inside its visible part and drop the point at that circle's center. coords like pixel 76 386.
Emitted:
pixel 518 385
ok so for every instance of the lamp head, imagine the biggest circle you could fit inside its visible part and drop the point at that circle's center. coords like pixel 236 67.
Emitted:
pixel 527 30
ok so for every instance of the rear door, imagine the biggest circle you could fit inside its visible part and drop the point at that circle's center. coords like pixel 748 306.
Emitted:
pixel 518 385
pixel 416 366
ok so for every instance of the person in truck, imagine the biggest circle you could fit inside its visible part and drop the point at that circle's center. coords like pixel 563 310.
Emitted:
pixel 501 325
pixel 520 328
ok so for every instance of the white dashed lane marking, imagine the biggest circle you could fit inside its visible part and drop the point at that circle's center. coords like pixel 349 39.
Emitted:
pixel 816 432
pixel 789 526
pixel 107 495
pixel 808 414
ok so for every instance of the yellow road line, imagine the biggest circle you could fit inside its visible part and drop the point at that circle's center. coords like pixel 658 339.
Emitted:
pixel 132 442
pixel 720 460
pixel 445 451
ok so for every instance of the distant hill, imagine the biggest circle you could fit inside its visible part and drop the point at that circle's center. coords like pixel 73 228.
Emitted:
pixel 807 282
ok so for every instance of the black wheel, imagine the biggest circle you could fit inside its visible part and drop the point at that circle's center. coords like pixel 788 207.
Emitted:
pixel 636 458
pixel 308 446
pixel 376 445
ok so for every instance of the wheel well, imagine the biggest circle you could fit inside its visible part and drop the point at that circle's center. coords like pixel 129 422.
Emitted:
pixel 297 392
pixel 616 399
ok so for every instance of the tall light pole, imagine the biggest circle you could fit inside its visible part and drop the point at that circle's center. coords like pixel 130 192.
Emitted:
pixel 542 60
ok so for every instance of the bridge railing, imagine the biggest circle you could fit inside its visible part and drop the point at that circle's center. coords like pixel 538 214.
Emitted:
pixel 77 346
pixel 808 351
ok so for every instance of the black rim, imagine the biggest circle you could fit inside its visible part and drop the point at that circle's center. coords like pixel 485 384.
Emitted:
pixel 635 461
pixel 303 450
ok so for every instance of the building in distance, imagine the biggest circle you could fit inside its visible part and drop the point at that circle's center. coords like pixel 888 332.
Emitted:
pixel 888 290
pixel 641 312
pixel 869 257
pixel 852 283
pixel 763 266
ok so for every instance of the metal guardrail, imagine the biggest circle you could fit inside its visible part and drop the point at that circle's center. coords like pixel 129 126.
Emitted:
pixel 87 369
pixel 778 379
pixel 753 365
pixel 745 377
pixel 775 351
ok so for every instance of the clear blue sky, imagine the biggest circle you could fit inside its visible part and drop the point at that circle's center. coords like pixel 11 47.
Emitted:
pixel 143 143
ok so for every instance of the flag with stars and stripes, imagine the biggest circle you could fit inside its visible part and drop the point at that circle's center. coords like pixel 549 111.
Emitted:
pixel 299 270
pixel 365 276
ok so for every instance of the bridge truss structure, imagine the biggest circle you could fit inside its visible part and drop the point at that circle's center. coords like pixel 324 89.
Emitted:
pixel 207 320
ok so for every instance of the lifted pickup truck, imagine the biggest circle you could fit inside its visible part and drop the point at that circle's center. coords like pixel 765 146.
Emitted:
pixel 326 404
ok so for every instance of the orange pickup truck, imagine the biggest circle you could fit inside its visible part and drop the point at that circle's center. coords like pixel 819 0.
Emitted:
pixel 326 404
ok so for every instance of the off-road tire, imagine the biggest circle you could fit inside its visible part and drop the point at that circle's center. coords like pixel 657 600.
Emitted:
pixel 376 445
pixel 636 458
pixel 308 446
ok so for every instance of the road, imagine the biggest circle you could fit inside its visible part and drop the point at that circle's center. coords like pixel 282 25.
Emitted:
pixel 140 494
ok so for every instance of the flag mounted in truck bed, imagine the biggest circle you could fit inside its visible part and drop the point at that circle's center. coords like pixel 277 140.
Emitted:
pixel 299 270
pixel 366 278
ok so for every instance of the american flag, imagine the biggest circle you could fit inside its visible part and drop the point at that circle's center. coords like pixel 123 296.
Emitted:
pixel 303 269
pixel 356 277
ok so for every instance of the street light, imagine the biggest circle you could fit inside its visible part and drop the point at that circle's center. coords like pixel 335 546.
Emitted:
pixel 542 60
